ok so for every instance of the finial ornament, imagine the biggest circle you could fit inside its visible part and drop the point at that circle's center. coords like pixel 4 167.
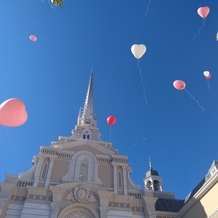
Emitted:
pixel 150 165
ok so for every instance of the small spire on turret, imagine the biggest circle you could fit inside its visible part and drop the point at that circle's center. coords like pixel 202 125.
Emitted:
pixel 150 165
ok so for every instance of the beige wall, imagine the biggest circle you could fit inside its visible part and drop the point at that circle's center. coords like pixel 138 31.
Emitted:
pixel 105 175
pixel 59 170
pixel 210 200
pixel 205 206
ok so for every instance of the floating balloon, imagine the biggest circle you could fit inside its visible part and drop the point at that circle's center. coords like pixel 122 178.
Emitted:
pixel 33 38
pixel 179 84
pixel 206 73
pixel 208 77
pixel 138 50
pixel 216 36
pixel 111 120
pixel 203 11
pixel 13 113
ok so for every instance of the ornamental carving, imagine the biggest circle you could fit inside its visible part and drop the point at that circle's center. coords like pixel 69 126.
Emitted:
pixel 83 169
pixel 104 208
pixel 55 207
pixel 81 195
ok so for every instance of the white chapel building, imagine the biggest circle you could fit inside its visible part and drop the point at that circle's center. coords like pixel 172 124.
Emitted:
pixel 81 176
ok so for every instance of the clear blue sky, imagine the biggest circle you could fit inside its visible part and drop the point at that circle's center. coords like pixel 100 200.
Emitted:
pixel 51 77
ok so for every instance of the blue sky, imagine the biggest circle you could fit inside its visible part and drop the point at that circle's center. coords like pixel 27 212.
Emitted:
pixel 51 76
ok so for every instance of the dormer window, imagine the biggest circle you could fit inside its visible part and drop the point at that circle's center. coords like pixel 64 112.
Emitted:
pixel 87 121
pixel 86 134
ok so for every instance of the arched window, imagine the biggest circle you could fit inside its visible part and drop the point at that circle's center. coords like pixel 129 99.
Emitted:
pixel 44 171
pixel 120 179
pixel 86 134
pixel 156 185
pixel 83 169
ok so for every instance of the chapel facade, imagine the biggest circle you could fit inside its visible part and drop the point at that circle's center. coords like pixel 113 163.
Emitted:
pixel 82 176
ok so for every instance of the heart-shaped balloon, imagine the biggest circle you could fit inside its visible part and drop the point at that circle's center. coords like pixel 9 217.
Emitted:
pixel 203 11
pixel 13 113
pixel 206 73
pixel 138 50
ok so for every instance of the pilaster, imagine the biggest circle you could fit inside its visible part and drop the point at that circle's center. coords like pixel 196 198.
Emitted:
pixel 115 179
pixel 49 172
pixel 104 197
pixel 57 198
pixel 150 206
pixel 124 181
pixel 38 170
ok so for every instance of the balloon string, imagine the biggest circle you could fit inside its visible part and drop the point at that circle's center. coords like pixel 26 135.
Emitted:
pixel 199 30
pixel 208 84
pixel 110 133
pixel 147 9
pixel 6 130
pixel 195 100
pixel 140 71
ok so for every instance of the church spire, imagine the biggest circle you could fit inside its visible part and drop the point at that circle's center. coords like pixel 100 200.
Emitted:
pixel 87 114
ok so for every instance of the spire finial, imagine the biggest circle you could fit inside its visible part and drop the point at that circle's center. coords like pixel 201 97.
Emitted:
pixel 150 165
pixel 87 115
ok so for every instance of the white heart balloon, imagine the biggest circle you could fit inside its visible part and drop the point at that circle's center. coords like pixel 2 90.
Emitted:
pixel 206 73
pixel 138 50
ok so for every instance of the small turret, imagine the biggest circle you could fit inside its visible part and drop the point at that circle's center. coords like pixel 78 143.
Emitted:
pixel 152 180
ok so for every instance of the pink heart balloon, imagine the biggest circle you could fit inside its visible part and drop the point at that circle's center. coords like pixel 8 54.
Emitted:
pixel 203 11
pixel 13 113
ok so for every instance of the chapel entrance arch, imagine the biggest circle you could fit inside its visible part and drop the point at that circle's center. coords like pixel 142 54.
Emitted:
pixel 78 211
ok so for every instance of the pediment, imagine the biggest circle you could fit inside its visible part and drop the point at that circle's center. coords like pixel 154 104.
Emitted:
pixel 86 145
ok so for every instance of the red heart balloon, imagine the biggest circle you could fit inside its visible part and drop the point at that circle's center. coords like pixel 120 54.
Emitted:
pixel 13 113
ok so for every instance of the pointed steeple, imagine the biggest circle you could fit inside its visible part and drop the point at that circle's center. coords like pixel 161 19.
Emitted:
pixel 87 115
pixel 86 127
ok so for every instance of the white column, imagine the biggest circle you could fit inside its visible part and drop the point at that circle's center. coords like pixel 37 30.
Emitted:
pixel 161 187
pixel 38 170
pixel 115 179
pixel 49 172
pixel 124 181
pixel 152 184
